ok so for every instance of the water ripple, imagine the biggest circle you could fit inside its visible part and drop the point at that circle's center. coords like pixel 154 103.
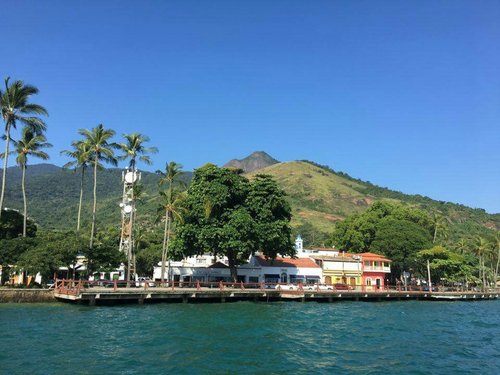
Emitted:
pixel 409 337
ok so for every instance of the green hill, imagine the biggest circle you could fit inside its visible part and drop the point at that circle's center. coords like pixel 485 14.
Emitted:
pixel 53 194
pixel 318 195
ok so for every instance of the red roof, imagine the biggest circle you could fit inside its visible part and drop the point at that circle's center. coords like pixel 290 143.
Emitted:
pixel 373 256
pixel 286 262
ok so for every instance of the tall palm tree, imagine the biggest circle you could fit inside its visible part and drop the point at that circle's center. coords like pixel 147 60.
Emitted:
pixel 171 206
pixel 29 144
pixel 81 159
pixel 496 246
pixel 101 150
pixel 481 249
pixel 169 201
pixel 134 149
pixel 15 108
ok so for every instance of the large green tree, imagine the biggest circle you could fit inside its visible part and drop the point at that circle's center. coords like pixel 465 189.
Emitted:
pixel 12 249
pixel 11 225
pixel 52 251
pixel 15 107
pixel 267 204
pixel 445 265
pixel 101 150
pixel 400 240
pixel 30 144
pixel 223 217
pixel 358 231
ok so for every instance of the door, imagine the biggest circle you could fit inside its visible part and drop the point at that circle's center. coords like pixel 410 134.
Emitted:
pixel 328 280
pixel 284 278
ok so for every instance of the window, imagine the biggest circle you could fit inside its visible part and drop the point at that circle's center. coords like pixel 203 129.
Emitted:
pixel 369 281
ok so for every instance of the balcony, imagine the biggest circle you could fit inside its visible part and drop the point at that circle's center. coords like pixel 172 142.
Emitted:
pixel 377 269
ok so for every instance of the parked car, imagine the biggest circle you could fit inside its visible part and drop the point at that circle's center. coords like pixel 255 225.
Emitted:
pixel 318 287
pixel 286 287
pixel 342 287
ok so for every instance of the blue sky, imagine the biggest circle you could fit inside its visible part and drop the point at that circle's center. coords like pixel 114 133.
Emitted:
pixel 405 94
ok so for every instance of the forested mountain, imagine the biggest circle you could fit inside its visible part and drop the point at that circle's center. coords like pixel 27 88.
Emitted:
pixel 53 195
pixel 318 195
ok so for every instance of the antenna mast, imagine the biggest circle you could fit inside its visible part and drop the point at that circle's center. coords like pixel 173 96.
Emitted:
pixel 129 178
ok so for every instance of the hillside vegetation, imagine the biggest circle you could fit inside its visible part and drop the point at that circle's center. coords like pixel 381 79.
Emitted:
pixel 319 198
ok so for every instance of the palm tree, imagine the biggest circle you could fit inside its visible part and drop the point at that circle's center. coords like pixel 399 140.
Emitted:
pixel 496 245
pixel 169 204
pixel 134 149
pixel 15 108
pixel 440 225
pixel 462 246
pixel 81 159
pixel 29 144
pixel 101 150
pixel 481 249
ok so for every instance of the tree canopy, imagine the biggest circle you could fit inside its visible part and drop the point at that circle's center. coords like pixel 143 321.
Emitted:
pixel 228 215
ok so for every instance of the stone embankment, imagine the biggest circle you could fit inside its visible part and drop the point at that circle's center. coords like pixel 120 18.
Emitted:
pixel 26 295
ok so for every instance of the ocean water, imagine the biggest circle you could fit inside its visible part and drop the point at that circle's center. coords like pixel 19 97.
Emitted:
pixel 408 337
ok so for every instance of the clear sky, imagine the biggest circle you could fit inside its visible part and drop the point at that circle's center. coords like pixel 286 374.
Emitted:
pixel 405 94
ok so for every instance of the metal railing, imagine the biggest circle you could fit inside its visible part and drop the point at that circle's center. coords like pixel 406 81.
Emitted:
pixel 75 287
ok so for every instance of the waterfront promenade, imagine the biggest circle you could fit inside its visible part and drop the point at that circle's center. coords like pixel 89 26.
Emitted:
pixel 114 293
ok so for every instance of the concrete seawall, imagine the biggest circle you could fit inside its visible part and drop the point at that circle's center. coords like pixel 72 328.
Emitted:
pixel 26 295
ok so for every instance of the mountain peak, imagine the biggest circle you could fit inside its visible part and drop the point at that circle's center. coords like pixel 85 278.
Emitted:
pixel 257 160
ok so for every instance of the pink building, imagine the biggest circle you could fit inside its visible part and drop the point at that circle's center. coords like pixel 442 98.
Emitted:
pixel 376 269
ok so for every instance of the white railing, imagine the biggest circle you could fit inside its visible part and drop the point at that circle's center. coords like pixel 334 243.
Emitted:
pixel 377 268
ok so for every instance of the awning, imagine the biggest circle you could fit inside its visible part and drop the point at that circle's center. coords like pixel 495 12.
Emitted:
pixel 313 277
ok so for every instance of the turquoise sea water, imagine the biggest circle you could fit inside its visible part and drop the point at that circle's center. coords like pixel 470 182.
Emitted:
pixel 412 337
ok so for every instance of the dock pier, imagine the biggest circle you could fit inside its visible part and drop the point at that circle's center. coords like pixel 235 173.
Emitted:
pixel 111 294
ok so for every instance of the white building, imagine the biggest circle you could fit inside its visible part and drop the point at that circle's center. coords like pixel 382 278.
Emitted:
pixel 203 268
pixel 280 270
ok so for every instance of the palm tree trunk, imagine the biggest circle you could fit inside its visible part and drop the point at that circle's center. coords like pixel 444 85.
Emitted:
pixel 496 269
pixel 25 204
pixel 166 250
pixel 4 172
pixel 163 252
pixel 94 205
pixel 435 233
pixel 81 201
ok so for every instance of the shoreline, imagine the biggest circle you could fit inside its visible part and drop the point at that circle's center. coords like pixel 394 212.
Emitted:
pixel 14 295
